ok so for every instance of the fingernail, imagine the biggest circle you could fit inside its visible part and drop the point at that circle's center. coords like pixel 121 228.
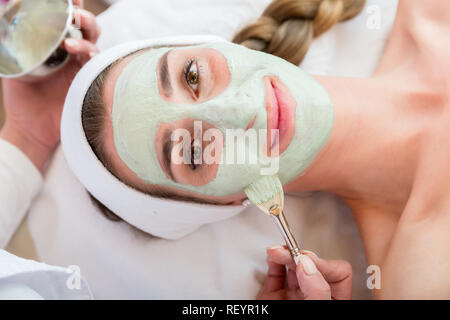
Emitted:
pixel 92 54
pixel 71 42
pixel 307 264
pixel 274 247
pixel 309 252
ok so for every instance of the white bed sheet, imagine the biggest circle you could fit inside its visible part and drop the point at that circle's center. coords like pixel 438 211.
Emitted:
pixel 224 260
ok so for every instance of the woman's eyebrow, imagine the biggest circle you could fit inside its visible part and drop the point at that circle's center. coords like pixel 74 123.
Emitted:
pixel 164 74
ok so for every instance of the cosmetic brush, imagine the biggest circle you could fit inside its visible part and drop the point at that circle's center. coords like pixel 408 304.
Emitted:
pixel 267 194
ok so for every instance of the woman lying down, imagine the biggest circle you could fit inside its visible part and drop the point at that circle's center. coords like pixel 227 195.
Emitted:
pixel 157 115
pixel 151 121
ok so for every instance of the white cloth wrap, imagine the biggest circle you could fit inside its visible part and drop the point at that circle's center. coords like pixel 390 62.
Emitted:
pixel 163 218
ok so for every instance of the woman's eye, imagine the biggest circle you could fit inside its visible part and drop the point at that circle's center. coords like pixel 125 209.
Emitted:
pixel 196 155
pixel 192 76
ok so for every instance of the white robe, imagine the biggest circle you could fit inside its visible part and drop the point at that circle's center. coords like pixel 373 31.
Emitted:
pixel 21 278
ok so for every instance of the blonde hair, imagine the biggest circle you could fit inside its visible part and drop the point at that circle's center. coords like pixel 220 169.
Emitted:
pixel 287 27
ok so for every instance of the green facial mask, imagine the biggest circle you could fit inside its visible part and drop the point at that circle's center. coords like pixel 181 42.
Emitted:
pixel 138 110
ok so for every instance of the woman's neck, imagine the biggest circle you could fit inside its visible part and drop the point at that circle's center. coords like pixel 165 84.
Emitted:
pixel 368 160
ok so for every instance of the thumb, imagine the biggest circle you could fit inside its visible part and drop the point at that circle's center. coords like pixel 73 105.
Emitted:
pixel 310 280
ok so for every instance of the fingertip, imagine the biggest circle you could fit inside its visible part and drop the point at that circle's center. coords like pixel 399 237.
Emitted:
pixel 307 265
pixel 297 259
pixel 311 282
pixel 313 256
pixel 274 247
pixel 70 43
pixel 272 253
pixel 310 253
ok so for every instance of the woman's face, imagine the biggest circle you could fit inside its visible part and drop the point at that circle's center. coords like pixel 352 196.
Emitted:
pixel 175 111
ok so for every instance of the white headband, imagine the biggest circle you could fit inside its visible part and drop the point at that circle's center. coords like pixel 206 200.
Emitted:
pixel 163 218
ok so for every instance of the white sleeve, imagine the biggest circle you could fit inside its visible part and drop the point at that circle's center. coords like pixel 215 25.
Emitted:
pixel 27 279
pixel 20 182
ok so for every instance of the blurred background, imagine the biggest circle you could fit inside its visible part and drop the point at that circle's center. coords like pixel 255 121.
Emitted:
pixel 95 6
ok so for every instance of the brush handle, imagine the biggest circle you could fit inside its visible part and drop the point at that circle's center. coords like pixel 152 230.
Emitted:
pixel 287 235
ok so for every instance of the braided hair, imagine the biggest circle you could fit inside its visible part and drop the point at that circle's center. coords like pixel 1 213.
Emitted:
pixel 287 27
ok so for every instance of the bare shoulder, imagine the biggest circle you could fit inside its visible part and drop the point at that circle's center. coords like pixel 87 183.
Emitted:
pixel 417 261
pixel 417 264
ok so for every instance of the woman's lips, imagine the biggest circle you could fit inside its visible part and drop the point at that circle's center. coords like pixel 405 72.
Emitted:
pixel 281 107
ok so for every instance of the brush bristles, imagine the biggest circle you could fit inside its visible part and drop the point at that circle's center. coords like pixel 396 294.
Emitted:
pixel 266 193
